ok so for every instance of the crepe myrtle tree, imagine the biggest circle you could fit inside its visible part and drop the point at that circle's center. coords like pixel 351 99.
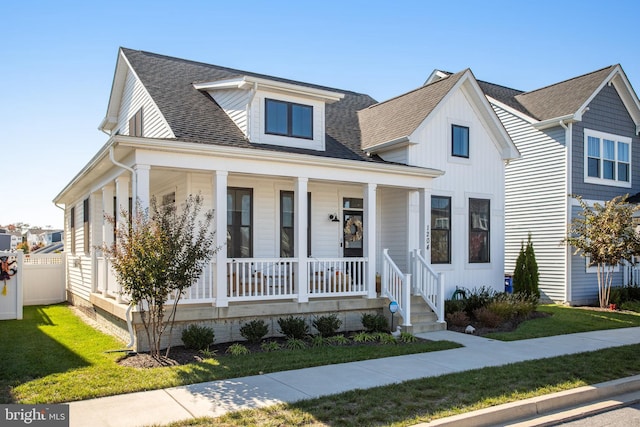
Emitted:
pixel 606 235
pixel 157 255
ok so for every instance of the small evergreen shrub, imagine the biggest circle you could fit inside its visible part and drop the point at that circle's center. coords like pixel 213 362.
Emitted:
pixel 374 322
pixel 197 337
pixel 525 274
pixel 237 349
pixel 293 327
pixel 458 318
pixel 328 325
pixel 254 331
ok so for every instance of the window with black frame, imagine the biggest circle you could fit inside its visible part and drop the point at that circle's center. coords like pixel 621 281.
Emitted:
pixel 440 230
pixel 288 119
pixel 479 229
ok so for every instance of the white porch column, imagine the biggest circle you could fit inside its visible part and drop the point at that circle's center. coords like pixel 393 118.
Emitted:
pixel 122 198
pixel 107 231
pixel 220 223
pixel 425 223
pixel 142 187
pixel 370 241
pixel 300 237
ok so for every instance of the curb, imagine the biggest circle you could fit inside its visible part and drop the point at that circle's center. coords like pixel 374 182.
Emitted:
pixel 553 407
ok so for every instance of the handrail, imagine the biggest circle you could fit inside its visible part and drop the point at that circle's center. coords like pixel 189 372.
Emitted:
pixel 429 284
pixel 396 286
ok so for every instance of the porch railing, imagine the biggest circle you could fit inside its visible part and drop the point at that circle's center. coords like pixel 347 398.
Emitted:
pixel 428 284
pixel 631 273
pixel 396 286
pixel 256 279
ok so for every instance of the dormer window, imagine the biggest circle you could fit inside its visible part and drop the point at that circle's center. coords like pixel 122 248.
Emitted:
pixel 288 119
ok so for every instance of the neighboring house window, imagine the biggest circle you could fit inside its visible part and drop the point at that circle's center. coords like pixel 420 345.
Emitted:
pixel 135 124
pixel 479 228
pixel 287 221
pixel 169 199
pixel 286 224
pixel 85 225
pixel 460 141
pixel 72 228
pixel 239 222
pixel 440 230
pixel 288 119
pixel 607 158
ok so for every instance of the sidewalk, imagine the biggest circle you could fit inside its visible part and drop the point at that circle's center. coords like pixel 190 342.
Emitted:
pixel 219 397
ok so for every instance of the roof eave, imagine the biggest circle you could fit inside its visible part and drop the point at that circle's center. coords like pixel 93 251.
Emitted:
pixel 403 141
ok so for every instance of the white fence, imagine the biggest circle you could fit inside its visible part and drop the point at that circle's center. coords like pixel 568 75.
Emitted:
pixel 35 280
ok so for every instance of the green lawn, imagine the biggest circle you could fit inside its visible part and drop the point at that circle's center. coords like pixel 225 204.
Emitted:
pixel 52 356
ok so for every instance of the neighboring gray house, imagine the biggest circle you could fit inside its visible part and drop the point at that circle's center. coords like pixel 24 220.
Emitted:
pixel 579 136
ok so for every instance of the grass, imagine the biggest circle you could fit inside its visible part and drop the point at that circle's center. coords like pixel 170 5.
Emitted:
pixel 424 400
pixel 569 320
pixel 52 356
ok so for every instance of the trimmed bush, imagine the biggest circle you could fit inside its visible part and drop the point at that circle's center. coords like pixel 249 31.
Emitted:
pixel 293 327
pixel 453 305
pixel 374 323
pixel 328 325
pixel 254 331
pixel 478 298
pixel 198 337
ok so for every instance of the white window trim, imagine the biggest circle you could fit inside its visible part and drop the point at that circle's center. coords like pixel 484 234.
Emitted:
pixel 456 159
pixel 594 268
pixel 617 138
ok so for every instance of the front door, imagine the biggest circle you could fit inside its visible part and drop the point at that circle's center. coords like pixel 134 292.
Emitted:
pixel 353 233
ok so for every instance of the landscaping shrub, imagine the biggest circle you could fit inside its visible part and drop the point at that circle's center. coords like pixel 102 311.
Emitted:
pixel 487 317
pixel 458 318
pixel 453 305
pixel 510 306
pixel 338 340
pixel 293 327
pixel 328 325
pixel 268 346
pixel 621 294
pixel 197 337
pixel 362 337
pixel 631 306
pixel 478 298
pixel 525 274
pixel 237 349
pixel 374 323
pixel 254 331
pixel 295 344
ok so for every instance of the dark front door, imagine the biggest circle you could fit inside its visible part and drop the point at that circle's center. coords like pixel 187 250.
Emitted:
pixel 353 237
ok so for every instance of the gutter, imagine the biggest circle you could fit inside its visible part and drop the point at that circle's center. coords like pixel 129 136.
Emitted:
pixel 134 190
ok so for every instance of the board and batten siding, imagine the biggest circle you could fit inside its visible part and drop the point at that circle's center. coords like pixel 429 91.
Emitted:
pixel 536 201
pixel 134 97
pixel 607 114
pixel 480 176
pixel 393 220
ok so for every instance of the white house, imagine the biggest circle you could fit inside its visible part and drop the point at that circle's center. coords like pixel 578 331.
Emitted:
pixel 320 190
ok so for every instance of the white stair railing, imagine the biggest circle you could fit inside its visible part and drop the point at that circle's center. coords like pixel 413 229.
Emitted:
pixel 428 284
pixel 397 287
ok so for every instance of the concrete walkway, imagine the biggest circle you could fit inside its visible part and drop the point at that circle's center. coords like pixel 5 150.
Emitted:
pixel 219 397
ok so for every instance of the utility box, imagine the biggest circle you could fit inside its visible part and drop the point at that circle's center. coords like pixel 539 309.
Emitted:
pixel 508 284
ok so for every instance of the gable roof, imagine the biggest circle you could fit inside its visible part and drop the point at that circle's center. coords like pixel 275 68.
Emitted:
pixel 194 116
pixel 391 123
pixel 400 116
pixel 567 99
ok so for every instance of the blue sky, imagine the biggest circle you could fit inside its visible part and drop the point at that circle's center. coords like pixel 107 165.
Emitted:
pixel 58 59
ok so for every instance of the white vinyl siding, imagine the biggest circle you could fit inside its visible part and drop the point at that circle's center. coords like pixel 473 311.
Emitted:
pixel 234 103
pixel 536 202
pixel 393 220
pixel 78 264
pixel 135 97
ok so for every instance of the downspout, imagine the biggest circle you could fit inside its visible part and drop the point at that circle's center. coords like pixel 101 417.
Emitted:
pixel 66 270
pixel 134 189
pixel 569 186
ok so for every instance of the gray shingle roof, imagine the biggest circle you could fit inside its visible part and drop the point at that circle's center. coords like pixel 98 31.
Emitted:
pixel 194 117
pixel 556 100
pixel 400 116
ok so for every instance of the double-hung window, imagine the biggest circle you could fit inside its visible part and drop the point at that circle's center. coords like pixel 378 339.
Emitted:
pixel 479 228
pixel 288 119
pixel 239 222
pixel 440 230
pixel 607 159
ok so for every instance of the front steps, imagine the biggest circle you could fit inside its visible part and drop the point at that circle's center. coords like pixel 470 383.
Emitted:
pixel 423 319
